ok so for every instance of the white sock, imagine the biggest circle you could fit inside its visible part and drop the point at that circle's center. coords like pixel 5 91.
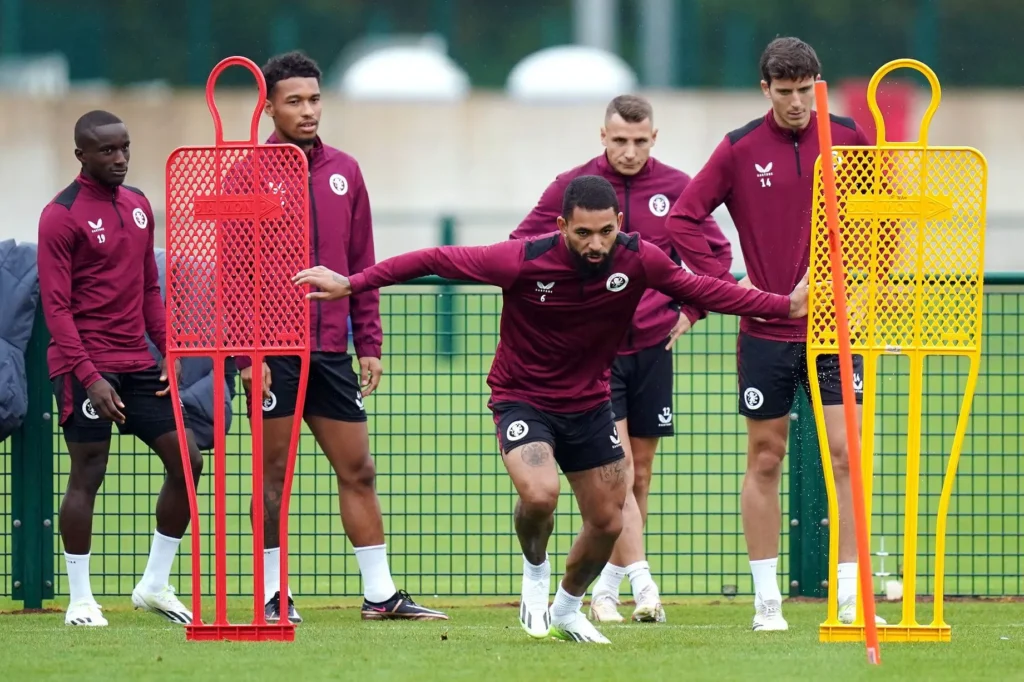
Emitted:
pixel 539 572
pixel 272 574
pixel 847 581
pixel 373 564
pixel 161 556
pixel 565 604
pixel 766 582
pixel 609 581
pixel 78 576
pixel 640 577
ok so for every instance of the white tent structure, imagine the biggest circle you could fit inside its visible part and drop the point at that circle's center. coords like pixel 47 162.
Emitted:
pixel 570 72
pixel 405 73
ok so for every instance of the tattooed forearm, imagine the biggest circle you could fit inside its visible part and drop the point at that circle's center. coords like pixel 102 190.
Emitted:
pixel 535 454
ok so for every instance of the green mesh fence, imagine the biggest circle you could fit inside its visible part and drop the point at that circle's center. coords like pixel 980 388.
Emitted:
pixel 5 515
pixel 448 502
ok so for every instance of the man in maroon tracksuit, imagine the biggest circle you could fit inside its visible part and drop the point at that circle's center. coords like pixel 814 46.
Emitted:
pixel 641 380
pixel 101 295
pixel 342 239
pixel 568 299
pixel 763 173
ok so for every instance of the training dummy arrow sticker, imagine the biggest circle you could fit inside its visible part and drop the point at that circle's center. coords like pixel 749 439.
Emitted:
pixel 258 206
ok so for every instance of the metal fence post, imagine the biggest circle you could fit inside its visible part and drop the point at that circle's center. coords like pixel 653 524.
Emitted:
pixel 808 505
pixel 32 481
pixel 446 298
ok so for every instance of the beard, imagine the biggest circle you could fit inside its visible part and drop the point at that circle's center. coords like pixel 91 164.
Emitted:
pixel 588 269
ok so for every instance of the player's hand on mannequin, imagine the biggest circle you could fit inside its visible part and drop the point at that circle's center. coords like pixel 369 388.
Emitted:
pixel 332 286
pixel 246 375
pixel 105 401
pixel 370 372
pixel 798 299
pixel 163 375
pixel 682 326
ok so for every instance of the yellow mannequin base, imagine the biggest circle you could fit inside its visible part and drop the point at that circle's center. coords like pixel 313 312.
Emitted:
pixel 886 633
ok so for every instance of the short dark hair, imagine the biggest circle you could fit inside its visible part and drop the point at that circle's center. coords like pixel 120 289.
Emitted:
pixel 632 109
pixel 589 192
pixel 293 64
pixel 91 120
pixel 789 59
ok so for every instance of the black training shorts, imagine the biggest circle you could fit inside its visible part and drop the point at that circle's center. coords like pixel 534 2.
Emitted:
pixel 642 391
pixel 771 371
pixel 147 415
pixel 332 389
pixel 581 441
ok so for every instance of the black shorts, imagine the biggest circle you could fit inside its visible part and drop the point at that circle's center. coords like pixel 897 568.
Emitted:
pixel 332 388
pixel 770 372
pixel 146 414
pixel 642 391
pixel 581 441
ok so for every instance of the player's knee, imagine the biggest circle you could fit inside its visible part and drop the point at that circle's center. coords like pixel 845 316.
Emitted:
pixel 175 468
pixel 641 478
pixel 765 458
pixel 360 474
pixel 275 464
pixel 539 499
pixel 606 520
pixel 838 453
pixel 88 477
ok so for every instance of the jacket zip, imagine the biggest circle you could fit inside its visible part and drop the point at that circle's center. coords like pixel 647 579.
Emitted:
pixel 796 151
pixel 625 225
pixel 316 251
pixel 113 202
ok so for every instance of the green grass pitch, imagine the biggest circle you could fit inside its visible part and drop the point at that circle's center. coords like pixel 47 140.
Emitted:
pixel 709 640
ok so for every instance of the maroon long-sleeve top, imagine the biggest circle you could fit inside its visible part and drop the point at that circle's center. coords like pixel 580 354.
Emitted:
pixel 98 280
pixel 560 328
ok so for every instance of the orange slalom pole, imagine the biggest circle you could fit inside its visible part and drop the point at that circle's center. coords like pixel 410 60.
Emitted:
pixel 846 372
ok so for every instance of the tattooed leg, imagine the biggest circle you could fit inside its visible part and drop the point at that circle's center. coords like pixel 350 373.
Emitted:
pixel 535 476
pixel 600 494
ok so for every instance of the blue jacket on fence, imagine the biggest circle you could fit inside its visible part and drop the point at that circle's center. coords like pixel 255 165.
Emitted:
pixel 20 286
pixel 196 382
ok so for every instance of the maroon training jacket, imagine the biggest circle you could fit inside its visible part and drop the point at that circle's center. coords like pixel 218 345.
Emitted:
pixel 764 174
pixel 98 281
pixel 644 200
pixel 341 238
pixel 561 329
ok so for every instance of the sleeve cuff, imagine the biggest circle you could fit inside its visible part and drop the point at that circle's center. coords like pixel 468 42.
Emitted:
pixel 357 283
pixel 692 314
pixel 243 361
pixel 368 350
pixel 87 374
pixel 783 306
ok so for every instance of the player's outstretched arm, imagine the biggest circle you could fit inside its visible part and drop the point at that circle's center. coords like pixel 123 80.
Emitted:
pixel 496 264
pixel 714 294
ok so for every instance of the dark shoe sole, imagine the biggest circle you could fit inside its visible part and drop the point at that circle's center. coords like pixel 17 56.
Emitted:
pixel 376 615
